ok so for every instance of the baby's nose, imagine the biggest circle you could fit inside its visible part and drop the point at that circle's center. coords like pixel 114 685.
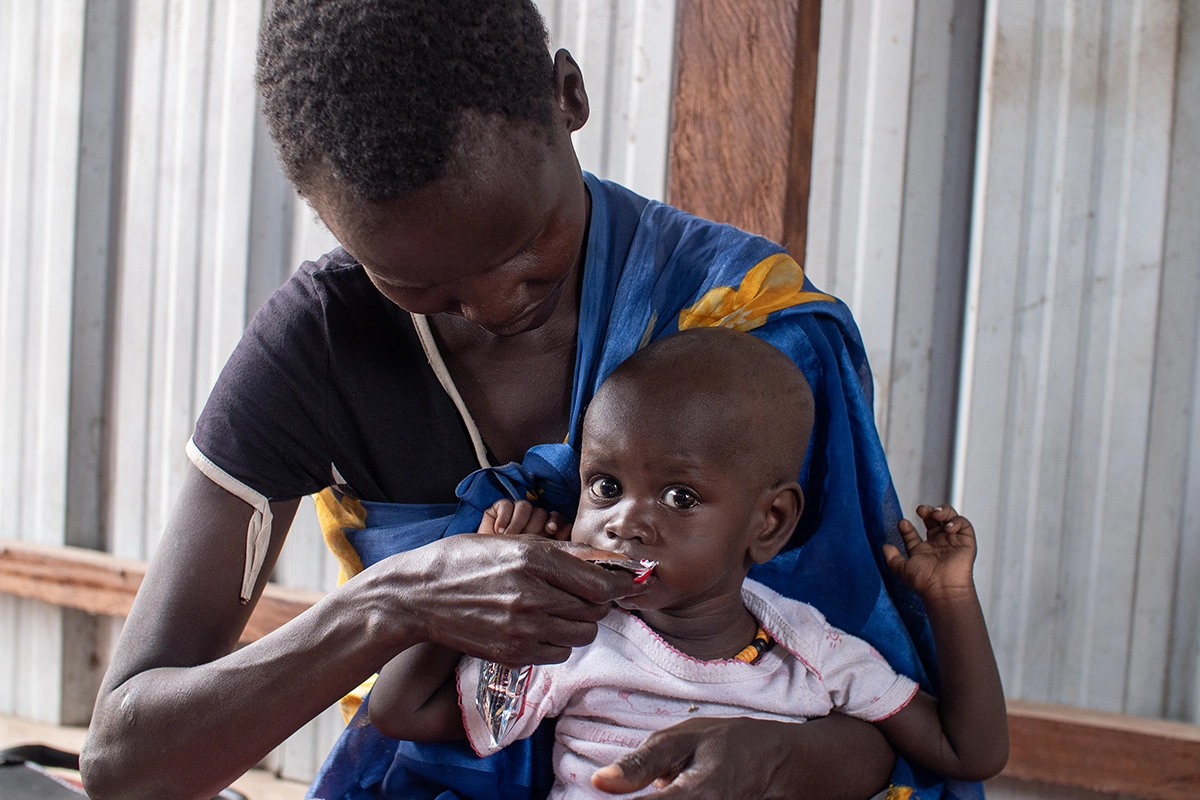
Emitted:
pixel 631 526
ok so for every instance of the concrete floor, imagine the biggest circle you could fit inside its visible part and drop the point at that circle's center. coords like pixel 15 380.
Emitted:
pixel 256 784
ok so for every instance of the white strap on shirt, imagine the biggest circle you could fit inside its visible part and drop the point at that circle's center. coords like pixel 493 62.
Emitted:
pixel 258 534
pixel 434 356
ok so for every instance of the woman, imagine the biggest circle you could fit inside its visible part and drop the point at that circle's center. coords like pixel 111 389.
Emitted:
pixel 485 289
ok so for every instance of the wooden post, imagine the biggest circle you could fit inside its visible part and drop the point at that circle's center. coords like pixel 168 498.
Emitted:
pixel 741 131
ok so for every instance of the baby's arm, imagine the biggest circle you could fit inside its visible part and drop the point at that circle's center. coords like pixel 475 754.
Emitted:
pixel 963 735
pixel 415 696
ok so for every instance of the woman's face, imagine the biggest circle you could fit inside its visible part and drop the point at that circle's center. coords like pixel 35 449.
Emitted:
pixel 494 242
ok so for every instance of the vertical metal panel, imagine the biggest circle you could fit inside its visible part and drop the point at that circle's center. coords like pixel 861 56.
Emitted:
pixel 864 77
pixel 39 143
pixel 133 328
pixel 184 267
pixel 1164 670
pixel 889 213
pixel 96 248
pixel 933 246
pixel 625 49
pixel 1064 288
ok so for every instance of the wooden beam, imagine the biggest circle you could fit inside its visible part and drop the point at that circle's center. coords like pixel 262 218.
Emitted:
pixel 742 120
pixel 100 583
pixel 1151 758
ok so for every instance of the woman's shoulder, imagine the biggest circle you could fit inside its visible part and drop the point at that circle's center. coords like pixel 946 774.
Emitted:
pixel 334 278
pixel 327 303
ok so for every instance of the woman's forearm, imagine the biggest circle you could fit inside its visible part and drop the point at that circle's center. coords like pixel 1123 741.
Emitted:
pixel 187 732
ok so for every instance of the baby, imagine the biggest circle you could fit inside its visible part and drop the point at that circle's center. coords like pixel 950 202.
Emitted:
pixel 690 452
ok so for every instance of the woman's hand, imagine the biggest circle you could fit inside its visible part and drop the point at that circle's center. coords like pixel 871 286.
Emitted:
pixel 832 757
pixel 512 600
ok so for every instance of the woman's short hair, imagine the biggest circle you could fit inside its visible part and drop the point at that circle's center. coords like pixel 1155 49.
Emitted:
pixel 374 91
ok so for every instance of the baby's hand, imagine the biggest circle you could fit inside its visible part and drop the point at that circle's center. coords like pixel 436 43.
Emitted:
pixel 938 567
pixel 513 518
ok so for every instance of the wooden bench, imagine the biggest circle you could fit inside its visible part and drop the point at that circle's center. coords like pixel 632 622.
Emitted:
pixel 1151 758
pixel 99 583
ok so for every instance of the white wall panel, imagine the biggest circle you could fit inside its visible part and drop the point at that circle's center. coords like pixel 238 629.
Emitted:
pixel 1065 277
pixel 39 143
pixel 1164 671
pixel 184 266
pixel 889 213
pixel 864 75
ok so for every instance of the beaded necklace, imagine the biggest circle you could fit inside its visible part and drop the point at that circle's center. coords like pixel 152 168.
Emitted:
pixel 754 650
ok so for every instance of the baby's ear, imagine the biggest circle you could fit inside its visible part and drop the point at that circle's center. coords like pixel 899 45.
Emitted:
pixel 782 505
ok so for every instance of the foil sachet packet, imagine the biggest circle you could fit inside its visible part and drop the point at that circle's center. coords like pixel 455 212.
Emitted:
pixel 500 697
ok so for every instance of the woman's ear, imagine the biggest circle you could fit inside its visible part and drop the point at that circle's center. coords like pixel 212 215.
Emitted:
pixel 569 94
pixel 783 505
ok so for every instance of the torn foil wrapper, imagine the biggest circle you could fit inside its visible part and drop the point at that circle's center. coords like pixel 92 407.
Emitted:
pixel 641 570
pixel 500 697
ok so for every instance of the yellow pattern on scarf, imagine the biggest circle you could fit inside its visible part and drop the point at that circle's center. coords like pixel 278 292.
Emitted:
pixel 772 284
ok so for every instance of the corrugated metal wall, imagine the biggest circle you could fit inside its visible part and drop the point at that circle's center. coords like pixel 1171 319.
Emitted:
pixel 1065 289
pixel 889 210
pixel 130 265
pixel 1077 410
pixel 42 51
pixel 1068 346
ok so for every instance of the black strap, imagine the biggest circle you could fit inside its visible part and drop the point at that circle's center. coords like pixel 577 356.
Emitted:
pixel 41 754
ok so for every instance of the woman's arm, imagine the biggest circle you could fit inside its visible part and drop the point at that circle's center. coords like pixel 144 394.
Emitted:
pixel 830 758
pixel 182 713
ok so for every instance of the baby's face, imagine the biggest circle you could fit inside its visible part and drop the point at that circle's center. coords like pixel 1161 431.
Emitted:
pixel 655 486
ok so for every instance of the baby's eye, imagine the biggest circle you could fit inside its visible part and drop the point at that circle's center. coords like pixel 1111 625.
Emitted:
pixel 604 487
pixel 680 497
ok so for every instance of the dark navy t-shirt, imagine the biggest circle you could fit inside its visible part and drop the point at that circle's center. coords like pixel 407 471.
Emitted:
pixel 330 380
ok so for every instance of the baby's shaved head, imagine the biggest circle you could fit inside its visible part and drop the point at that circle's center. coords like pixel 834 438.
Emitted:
pixel 741 395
